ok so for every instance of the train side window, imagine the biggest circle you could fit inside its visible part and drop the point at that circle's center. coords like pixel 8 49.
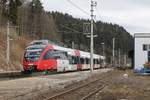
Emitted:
pixel 77 60
pixel 64 56
pixel 82 60
pixel 70 59
pixel 96 61
pixel 60 55
pixel 93 61
pixel 74 60
pixel 87 61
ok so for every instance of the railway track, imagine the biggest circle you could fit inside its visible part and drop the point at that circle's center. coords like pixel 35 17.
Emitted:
pixel 82 92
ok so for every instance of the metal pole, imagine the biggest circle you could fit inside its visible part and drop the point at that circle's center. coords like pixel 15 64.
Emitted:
pixel 72 44
pixel 91 55
pixel 104 53
pixel 119 57
pixel 113 52
pixel 103 49
pixel 125 60
pixel 93 3
pixel 8 44
pixel 103 44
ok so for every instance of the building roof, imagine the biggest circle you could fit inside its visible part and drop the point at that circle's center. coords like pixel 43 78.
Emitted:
pixel 142 35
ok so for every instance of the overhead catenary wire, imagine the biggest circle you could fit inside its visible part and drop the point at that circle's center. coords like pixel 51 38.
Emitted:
pixel 71 29
pixel 98 12
pixel 99 15
pixel 75 5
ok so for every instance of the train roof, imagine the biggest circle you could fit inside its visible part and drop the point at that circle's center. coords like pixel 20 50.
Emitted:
pixel 33 47
pixel 82 53
pixel 41 44
pixel 87 55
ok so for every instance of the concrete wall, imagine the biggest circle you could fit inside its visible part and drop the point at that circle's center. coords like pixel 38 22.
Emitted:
pixel 140 56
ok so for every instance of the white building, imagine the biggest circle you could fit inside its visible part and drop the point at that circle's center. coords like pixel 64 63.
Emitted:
pixel 141 50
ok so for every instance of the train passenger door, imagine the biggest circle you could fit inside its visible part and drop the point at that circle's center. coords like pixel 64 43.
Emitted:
pixel 62 62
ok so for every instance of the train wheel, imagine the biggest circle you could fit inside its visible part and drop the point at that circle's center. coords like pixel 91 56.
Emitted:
pixel 27 72
pixel 45 72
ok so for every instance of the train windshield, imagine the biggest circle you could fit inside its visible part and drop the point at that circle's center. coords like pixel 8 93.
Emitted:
pixel 32 55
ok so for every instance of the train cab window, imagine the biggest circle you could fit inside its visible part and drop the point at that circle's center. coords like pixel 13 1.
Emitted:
pixel 48 55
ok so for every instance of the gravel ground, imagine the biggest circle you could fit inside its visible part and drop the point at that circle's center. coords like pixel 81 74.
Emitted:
pixel 125 85
pixel 120 85
pixel 35 87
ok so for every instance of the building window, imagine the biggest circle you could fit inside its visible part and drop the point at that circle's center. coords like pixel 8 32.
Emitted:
pixel 148 47
pixel 145 47
pixel 148 56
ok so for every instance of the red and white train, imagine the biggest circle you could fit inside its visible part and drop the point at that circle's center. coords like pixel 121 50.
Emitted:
pixel 41 55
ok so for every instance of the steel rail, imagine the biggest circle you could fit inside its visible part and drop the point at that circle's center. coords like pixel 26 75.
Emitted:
pixel 72 89
pixel 92 93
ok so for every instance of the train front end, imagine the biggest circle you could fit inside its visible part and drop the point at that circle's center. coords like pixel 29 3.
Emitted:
pixel 32 57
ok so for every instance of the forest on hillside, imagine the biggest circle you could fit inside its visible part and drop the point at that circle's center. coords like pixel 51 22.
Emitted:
pixel 32 20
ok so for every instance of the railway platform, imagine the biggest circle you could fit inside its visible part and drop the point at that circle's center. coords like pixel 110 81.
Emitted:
pixel 9 73
pixel 27 88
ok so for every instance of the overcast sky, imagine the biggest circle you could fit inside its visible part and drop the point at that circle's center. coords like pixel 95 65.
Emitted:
pixel 133 15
